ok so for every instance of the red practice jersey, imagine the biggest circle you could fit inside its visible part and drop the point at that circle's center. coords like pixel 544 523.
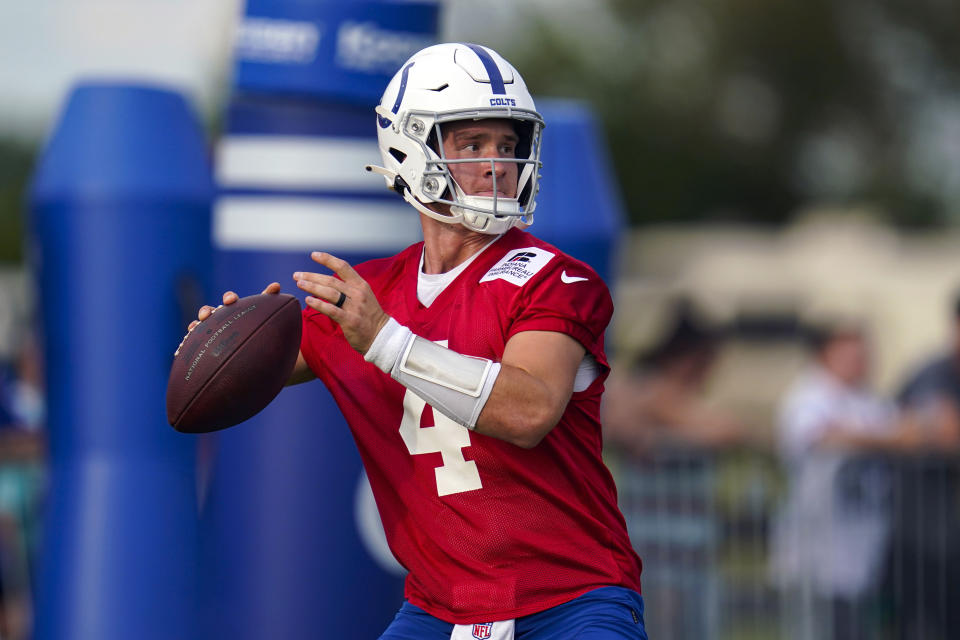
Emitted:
pixel 487 530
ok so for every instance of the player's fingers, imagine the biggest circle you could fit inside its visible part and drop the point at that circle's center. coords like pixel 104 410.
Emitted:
pixel 331 286
pixel 328 309
pixel 192 325
pixel 230 297
pixel 339 266
pixel 311 276
pixel 204 312
pixel 325 291
pixel 332 282
pixel 273 287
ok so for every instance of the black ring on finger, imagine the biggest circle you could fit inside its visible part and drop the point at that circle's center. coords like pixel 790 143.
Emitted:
pixel 340 300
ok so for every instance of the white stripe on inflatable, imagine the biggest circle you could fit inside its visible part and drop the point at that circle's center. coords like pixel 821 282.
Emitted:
pixel 313 224
pixel 298 163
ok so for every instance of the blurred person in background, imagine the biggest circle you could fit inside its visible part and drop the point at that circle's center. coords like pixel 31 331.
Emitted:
pixel 925 558
pixel 932 394
pixel 662 433
pixel 22 447
pixel 660 401
pixel 830 539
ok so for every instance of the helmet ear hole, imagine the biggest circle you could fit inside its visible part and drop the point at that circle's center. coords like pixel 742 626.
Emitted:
pixel 433 142
pixel 524 131
pixel 400 156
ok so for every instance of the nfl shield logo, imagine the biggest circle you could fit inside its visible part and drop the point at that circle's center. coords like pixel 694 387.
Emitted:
pixel 483 630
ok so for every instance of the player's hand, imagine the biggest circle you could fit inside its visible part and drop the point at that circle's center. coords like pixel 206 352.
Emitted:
pixel 228 298
pixel 359 314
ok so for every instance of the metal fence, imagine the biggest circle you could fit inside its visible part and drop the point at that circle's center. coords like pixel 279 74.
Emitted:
pixel 737 547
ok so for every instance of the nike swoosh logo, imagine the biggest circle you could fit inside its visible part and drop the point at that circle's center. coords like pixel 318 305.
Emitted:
pixel 569 279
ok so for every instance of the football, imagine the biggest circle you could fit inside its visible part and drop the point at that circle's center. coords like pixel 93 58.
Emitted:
pixel 233 363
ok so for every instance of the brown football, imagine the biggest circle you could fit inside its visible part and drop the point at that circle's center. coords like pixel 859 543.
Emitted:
pixel 234 363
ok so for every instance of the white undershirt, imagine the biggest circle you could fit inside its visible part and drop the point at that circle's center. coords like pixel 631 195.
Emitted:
pixel 431 285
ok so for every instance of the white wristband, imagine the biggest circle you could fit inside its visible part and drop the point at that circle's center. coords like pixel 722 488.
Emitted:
pixel 456 385
pixel 388 346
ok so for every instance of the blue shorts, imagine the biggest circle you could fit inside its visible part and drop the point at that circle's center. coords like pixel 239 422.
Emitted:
pixel 608 613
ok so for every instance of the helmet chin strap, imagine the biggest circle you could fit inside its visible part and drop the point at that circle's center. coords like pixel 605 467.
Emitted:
pixel 427 211
pixel 480 222
pixel 392 176
pixel 496 206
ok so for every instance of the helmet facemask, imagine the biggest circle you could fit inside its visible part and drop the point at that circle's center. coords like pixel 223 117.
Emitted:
pixel 486 214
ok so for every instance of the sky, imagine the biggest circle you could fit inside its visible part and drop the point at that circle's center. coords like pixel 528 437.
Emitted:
pixel 48 45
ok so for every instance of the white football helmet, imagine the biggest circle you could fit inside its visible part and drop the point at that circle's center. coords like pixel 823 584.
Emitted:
pixel 440 84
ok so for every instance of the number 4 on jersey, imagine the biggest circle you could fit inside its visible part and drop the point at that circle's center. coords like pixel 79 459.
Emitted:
pixel 447 438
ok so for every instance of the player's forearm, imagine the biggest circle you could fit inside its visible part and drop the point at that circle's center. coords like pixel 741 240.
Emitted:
pixel 500 399
pixel 454 384
pixel 301 372
pixel 521 409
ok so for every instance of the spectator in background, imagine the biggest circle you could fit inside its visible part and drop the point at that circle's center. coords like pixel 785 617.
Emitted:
pixel 21 392
pixel 660 400
pixel 22 449
pixel 657 416
pixel 925 557
pixel 932 395
pixel 830 539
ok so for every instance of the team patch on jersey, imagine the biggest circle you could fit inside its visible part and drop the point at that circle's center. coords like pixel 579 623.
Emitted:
pixel 519 265
pixel 483 630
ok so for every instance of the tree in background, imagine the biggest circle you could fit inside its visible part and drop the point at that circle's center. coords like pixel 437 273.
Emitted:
pixel 732 110
pixel 747 110
pixel 16 164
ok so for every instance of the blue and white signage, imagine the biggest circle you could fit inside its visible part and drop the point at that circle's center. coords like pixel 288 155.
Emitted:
pixel 342 50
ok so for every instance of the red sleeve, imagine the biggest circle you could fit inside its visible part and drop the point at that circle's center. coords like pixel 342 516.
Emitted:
pixel 558 299
pixel 318 332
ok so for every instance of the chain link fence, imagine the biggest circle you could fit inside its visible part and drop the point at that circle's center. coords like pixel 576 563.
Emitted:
pixel 735 549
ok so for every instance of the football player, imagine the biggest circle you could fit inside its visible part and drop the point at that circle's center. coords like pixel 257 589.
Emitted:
pixel 484 345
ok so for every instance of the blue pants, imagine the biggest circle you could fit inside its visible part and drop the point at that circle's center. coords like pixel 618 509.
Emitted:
pixel 608 613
